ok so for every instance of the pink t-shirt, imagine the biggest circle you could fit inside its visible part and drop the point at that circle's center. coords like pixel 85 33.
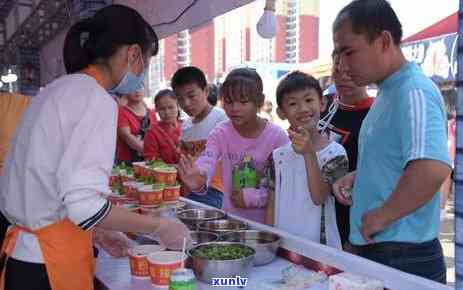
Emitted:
pixel 225 144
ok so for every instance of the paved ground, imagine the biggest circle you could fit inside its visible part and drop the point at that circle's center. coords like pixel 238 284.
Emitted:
pixel 447 238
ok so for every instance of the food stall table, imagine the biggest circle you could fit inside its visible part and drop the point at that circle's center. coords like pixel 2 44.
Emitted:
pixel 115 273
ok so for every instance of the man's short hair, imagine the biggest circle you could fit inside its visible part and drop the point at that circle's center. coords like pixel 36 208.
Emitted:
pixel 370 17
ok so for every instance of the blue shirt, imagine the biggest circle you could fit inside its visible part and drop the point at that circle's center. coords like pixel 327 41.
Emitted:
pixel 407 122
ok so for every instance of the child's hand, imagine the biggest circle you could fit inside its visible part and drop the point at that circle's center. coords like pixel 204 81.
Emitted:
pixel 250 198
pixel 237 199
pixel 190 174
pixel 302 142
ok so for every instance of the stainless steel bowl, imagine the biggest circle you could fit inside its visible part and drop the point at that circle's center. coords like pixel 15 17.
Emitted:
pixel 201 237
pixel 205 269
pixel 222 226
pixel 264 243
pixel 193 217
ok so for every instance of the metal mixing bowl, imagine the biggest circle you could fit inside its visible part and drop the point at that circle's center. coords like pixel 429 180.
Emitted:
pixel 222 226
pixel 205 269
pixel 264 243
pixel 201 237
pixel 193 217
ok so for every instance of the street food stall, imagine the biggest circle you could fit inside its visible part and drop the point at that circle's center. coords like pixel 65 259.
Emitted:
pixel 114 273
pixel 296 263
pixel 292 262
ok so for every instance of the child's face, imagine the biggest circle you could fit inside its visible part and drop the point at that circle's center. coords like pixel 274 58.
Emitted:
pixel 167 109
pixel 240 112
pixel 302 108
pixel 192 99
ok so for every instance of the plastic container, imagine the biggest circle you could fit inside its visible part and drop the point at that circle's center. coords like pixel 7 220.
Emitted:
pixel 162 264
pixel 144 171
pixel 114 180
pixel 123 176
pixel 138 259
pixel 118 200
pixel 130 188
pixel 167 176
pixel 171 192
pixel 138 168
pixel 150 194
pixel 137 185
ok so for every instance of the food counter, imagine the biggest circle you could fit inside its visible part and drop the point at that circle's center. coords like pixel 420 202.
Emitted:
pixel 114 273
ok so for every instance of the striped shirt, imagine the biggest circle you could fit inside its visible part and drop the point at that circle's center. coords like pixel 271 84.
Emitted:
pixel 407 122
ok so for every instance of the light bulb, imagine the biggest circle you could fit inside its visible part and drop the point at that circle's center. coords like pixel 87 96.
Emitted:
pixel 10 77
pixel 267 25
pixel 13 77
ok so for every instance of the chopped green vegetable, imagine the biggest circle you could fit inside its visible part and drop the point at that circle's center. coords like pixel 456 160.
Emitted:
pixel 158 186
pixel 156 163
pixel 117 188
pixel 222 252
pixel 146 180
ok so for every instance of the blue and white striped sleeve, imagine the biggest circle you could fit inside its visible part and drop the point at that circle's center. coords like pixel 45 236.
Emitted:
pixel 423 127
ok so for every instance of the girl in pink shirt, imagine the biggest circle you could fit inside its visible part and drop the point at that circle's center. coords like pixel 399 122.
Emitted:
pixel 244 137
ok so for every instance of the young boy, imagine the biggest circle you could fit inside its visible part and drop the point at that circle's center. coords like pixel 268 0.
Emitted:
pixel 304 169
pixel 190 86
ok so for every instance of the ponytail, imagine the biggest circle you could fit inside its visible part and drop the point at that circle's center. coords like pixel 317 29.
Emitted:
pixel 98 38
pixel 76 56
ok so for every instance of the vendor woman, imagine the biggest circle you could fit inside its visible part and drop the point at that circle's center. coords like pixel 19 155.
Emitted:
pixel 62 155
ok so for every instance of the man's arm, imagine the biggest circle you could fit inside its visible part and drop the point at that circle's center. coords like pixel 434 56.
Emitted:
pixel 420 181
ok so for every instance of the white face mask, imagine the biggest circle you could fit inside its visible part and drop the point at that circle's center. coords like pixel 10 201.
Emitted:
pixel 130 82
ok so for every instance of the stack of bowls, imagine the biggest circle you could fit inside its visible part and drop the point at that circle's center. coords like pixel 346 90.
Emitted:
pixel 221 227
pixel 193 217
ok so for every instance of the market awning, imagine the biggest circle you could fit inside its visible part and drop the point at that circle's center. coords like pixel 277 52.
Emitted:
pixel 435 49
pixel 169 17
pixel 445 26
pixel 437 56
pixel 32 24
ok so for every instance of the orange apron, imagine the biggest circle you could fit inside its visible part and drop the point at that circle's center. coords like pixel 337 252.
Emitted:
pixel 66 248
pixel 67 252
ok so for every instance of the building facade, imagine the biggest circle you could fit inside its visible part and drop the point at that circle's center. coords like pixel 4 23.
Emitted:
pixel 232 39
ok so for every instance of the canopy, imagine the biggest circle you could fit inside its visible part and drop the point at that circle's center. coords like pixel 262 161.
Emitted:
pixel 190 13
pixel 445 26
